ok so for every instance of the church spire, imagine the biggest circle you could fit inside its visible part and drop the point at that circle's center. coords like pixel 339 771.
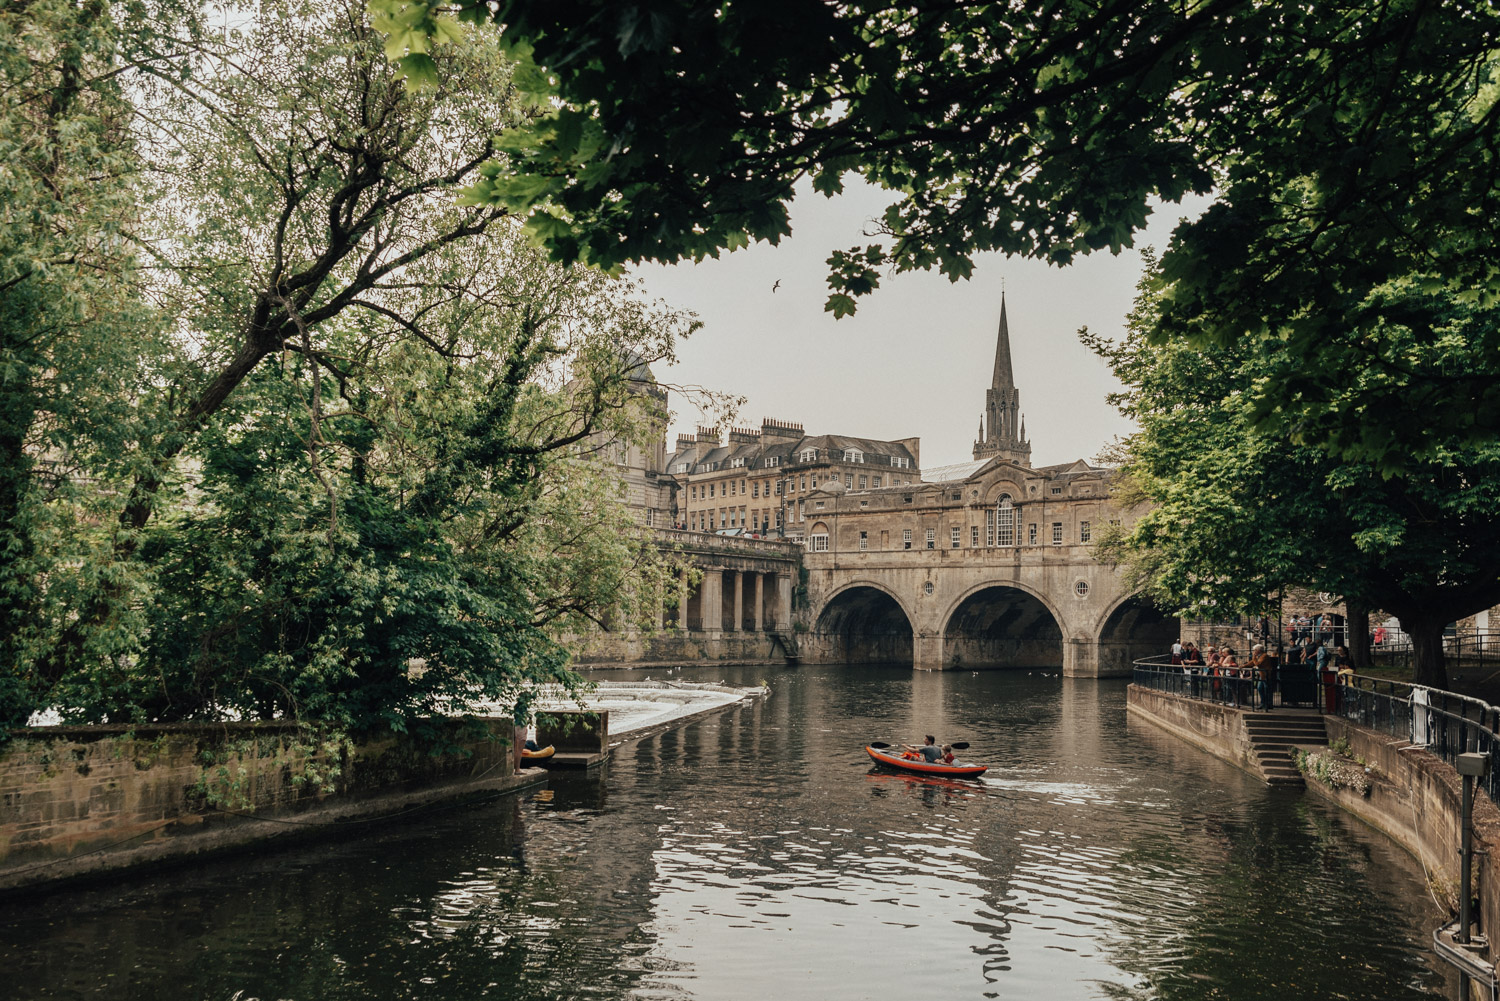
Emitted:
pixel 1003 379
pixel 1003 431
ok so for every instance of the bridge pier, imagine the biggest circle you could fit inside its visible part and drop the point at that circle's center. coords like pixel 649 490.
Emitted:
pixel 927 652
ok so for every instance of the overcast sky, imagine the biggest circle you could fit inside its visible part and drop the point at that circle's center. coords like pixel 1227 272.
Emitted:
pixel 916 359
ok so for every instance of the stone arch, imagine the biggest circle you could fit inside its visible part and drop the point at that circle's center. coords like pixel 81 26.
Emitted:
pixel 1133 628
pixel 1002 624
pixel 863 623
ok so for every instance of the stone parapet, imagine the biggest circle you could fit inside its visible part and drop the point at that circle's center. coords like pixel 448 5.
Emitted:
pixel 76 801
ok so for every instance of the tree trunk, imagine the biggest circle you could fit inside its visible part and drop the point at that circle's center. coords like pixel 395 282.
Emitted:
pixel 1357 631
pixel 1426 634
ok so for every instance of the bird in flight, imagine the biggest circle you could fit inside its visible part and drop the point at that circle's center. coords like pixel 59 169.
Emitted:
pixel 777 285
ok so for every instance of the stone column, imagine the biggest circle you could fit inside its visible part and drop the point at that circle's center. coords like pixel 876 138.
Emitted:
pixel 739 601
pixel 711 599
pixel 682 599
pixel 758 601
pixel 783 601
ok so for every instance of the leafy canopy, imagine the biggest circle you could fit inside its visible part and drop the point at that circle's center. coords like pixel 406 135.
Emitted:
pixel 1349 146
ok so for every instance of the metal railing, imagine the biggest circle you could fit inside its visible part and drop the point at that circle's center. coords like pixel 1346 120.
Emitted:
pixel 1466 650
pixel 1445 723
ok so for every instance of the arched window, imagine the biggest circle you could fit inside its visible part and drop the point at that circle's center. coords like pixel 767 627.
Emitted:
pixel 1005 522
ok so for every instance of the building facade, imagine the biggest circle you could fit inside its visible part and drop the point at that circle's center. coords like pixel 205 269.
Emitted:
pixel 760 481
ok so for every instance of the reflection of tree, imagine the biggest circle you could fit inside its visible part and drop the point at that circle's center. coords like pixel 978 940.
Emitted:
pixel 1279 883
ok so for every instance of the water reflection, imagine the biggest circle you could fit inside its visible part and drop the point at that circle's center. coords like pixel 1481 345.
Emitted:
pixel 756 854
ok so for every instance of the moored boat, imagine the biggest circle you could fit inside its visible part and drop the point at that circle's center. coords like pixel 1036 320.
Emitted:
pixel 893 759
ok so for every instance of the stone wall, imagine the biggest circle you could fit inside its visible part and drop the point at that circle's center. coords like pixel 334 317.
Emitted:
pixel 1416 799
pixel 603 650
pixel 1219 730
pixel 81 800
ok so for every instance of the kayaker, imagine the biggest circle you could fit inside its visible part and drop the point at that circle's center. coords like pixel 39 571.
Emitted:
pixel 947 754
pixel 930 750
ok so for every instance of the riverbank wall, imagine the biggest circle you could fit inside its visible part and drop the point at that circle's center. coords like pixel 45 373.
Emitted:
pixel 1220 730
pixel 78 801
pixel 1402 790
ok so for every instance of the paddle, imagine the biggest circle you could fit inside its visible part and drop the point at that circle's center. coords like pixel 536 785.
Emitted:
pixel 880 745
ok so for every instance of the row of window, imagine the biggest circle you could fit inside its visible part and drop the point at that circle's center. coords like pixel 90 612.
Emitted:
pixel 955 537
pixel 705 491
pixel 808 455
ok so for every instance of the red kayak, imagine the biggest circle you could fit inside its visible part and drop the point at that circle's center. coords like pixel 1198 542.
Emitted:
pixel 894 759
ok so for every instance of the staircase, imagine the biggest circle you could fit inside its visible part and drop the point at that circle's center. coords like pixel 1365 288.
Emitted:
pixel 788 645
pixel 1274 735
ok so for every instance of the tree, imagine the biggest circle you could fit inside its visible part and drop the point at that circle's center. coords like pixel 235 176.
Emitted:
pixel 1348 147
pixel 1238 511
pixel 363 495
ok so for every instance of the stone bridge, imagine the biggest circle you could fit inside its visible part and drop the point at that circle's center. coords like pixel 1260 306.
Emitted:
pixel 942 609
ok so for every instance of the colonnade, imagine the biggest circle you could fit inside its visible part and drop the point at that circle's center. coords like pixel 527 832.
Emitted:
pixel 735 601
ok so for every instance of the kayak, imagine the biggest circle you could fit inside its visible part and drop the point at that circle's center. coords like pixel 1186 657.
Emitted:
pixel 894 759
pixel 537 755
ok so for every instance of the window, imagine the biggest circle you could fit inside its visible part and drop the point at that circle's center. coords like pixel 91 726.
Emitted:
pixel 864 503
pixel 711 489
pixel 736 463
pixel 650 517
pixel 875 482
pixel 681 467
pixel 818 543
pixel 853 455
pixel 906 499
pixel 804 481
pixel 864 482
pixel 1081 589
pixel 864 541
pixel 1005 522
pixel 954 536
pixel 694 493
pixel 1057 490
pixel 1031 534
pixel 1114 522
pixel 932 538
pixel 773 461
pixel 900 462
pixel 778 488
pixel 906 538
pixel 1083 531
pixel 958 496
pixel 755 489
pixel 1057 533
pixel 848 481
pixel 731 488
pixel 744 484
pixel 819 505
pixel 974 536
pixel 808 455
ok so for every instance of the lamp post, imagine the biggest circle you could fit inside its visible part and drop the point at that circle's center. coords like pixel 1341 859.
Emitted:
pixel 1471 765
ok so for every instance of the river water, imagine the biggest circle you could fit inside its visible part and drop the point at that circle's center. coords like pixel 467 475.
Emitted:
pixel 755 855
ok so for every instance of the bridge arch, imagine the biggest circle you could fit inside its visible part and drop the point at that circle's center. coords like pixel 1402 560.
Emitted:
pixel 864 622
pixel 1133 628
pixel 1002 624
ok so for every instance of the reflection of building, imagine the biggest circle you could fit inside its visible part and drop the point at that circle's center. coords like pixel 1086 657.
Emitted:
pixel 758 481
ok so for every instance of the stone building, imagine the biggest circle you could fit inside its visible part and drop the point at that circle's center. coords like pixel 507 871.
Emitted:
pixel 758 481
pixel 641 465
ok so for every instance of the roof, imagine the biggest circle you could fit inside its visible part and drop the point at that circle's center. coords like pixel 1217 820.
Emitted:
pixel 957 471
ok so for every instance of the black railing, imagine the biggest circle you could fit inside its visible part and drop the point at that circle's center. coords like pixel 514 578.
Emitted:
pixel 1445 723
pixel 1467 650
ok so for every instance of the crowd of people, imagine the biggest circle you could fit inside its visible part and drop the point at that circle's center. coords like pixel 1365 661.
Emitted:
pixel 1264 666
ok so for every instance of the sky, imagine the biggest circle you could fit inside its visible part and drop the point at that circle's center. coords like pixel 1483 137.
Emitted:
pixel 917 357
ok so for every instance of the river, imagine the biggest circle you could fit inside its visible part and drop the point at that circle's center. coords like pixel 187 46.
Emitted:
pixel 754 854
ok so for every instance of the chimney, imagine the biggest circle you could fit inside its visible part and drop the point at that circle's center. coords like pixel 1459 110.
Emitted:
pixel 686 441
pixel 774 432
pixel 708 436
pixel 743 436
pixel 914 446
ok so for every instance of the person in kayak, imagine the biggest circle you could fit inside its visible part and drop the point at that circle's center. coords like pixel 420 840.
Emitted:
pixel 930 751
pixel 947 758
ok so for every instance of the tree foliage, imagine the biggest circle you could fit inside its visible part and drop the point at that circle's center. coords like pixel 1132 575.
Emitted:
pixel 1348 146
pixel 1236 511
pixel 350 481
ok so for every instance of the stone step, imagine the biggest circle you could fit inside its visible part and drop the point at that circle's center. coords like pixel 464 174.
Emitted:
pixel 1289 738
